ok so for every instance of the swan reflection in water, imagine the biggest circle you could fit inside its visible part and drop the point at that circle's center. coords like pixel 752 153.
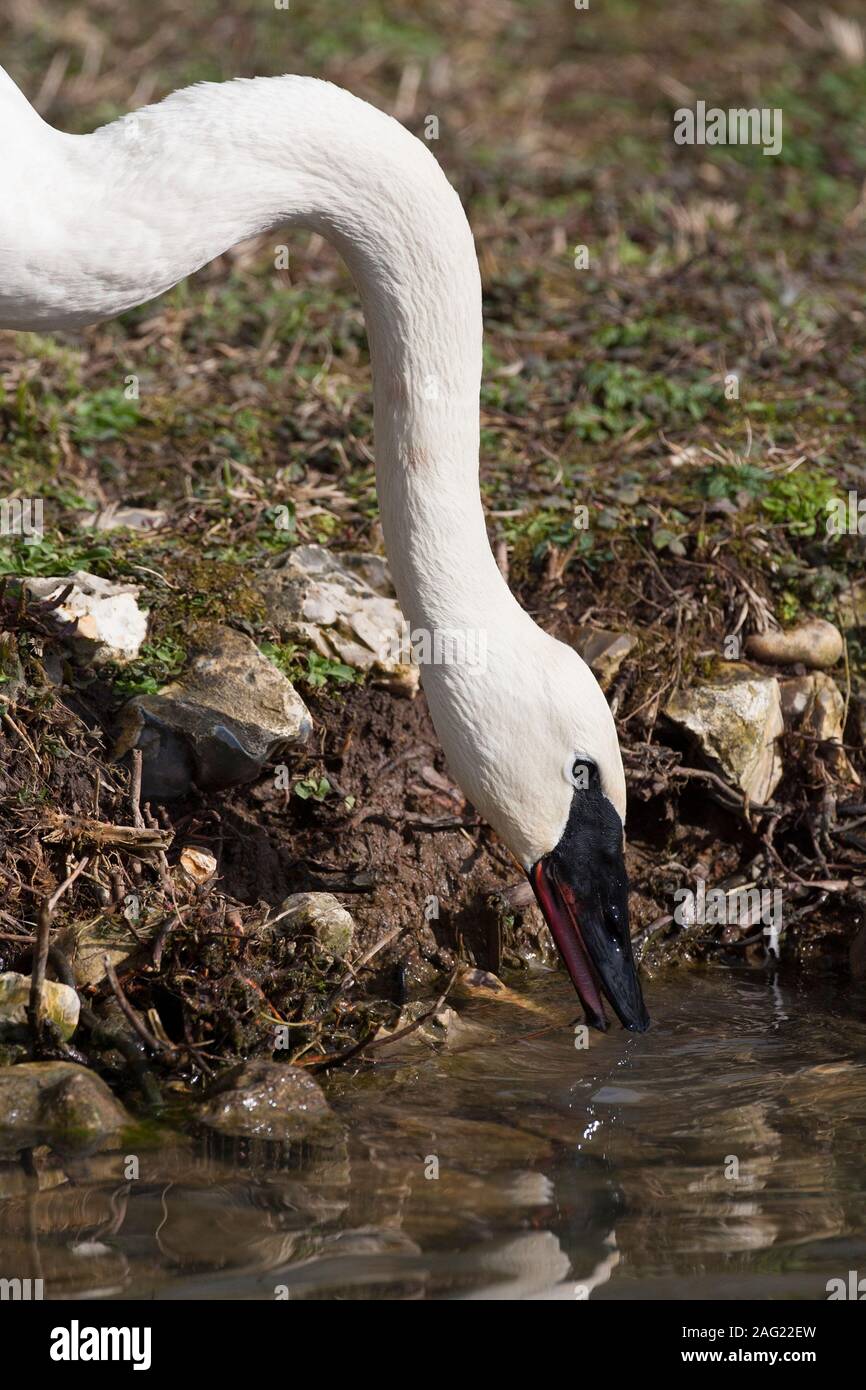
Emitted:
pixel 561 1174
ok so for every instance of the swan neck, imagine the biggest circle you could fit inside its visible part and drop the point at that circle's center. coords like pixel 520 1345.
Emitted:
pixel 176 184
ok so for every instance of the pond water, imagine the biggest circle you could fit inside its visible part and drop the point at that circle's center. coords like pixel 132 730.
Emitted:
pixel 720 1155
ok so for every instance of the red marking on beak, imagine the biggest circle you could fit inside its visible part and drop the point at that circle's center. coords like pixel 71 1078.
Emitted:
pixel 560 913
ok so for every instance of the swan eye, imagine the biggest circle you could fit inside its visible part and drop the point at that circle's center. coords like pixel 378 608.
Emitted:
pixel 578 772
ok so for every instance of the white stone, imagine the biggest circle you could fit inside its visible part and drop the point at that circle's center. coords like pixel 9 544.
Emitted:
pixel 736 720
pixel 344 607
pixel 107 621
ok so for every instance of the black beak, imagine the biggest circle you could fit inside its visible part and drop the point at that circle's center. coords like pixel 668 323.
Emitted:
pixel 582 889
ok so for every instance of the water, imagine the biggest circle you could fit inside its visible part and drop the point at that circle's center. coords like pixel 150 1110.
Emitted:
pixel 717 1156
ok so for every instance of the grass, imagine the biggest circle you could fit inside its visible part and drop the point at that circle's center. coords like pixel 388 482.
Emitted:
pixel 156 664
pixel 701 261
pixel 309 668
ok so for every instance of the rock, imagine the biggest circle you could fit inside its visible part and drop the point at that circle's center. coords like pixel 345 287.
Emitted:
pixel 60 1003
pixel 439 1027
pixel 88 944
pixel 322 916
pixel 816 643
pixel 851 605
pixel 603 651
pixel 115 518
pixel 99 620
pixel 266 1100
pixel 59 1104
pixel 229 713
pixel 198 864
pixel 477 985
pixel 814 705
pixel 736 719
pixel 343 605
pixel 482 982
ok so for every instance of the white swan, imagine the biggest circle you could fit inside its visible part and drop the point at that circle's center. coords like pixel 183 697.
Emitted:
pixel 92 225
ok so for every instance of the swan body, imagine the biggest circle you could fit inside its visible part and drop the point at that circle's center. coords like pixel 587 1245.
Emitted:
pixel 92 225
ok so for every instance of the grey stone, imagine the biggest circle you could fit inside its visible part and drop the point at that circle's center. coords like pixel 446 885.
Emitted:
pixel 229 713
pixel 814 705
pixel 602 650
pixel 59 1104
pixel 266 1100
pixel 60 1004
pixel 322 916
pixel 816 643
pixel 88 943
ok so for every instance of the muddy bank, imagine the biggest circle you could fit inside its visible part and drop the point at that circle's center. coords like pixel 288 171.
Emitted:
pixel 179 922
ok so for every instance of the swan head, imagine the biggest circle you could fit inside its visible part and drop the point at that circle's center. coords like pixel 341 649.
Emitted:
pixel 532 742
pixel 582 889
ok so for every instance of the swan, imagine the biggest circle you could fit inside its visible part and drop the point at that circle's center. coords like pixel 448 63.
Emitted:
pixel 92 225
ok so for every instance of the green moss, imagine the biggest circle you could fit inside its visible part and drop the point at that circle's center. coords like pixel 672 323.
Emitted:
pixel 309 668
pixel 157 663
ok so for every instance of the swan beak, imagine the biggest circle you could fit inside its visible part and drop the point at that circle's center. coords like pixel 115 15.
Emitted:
pixel 586 908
